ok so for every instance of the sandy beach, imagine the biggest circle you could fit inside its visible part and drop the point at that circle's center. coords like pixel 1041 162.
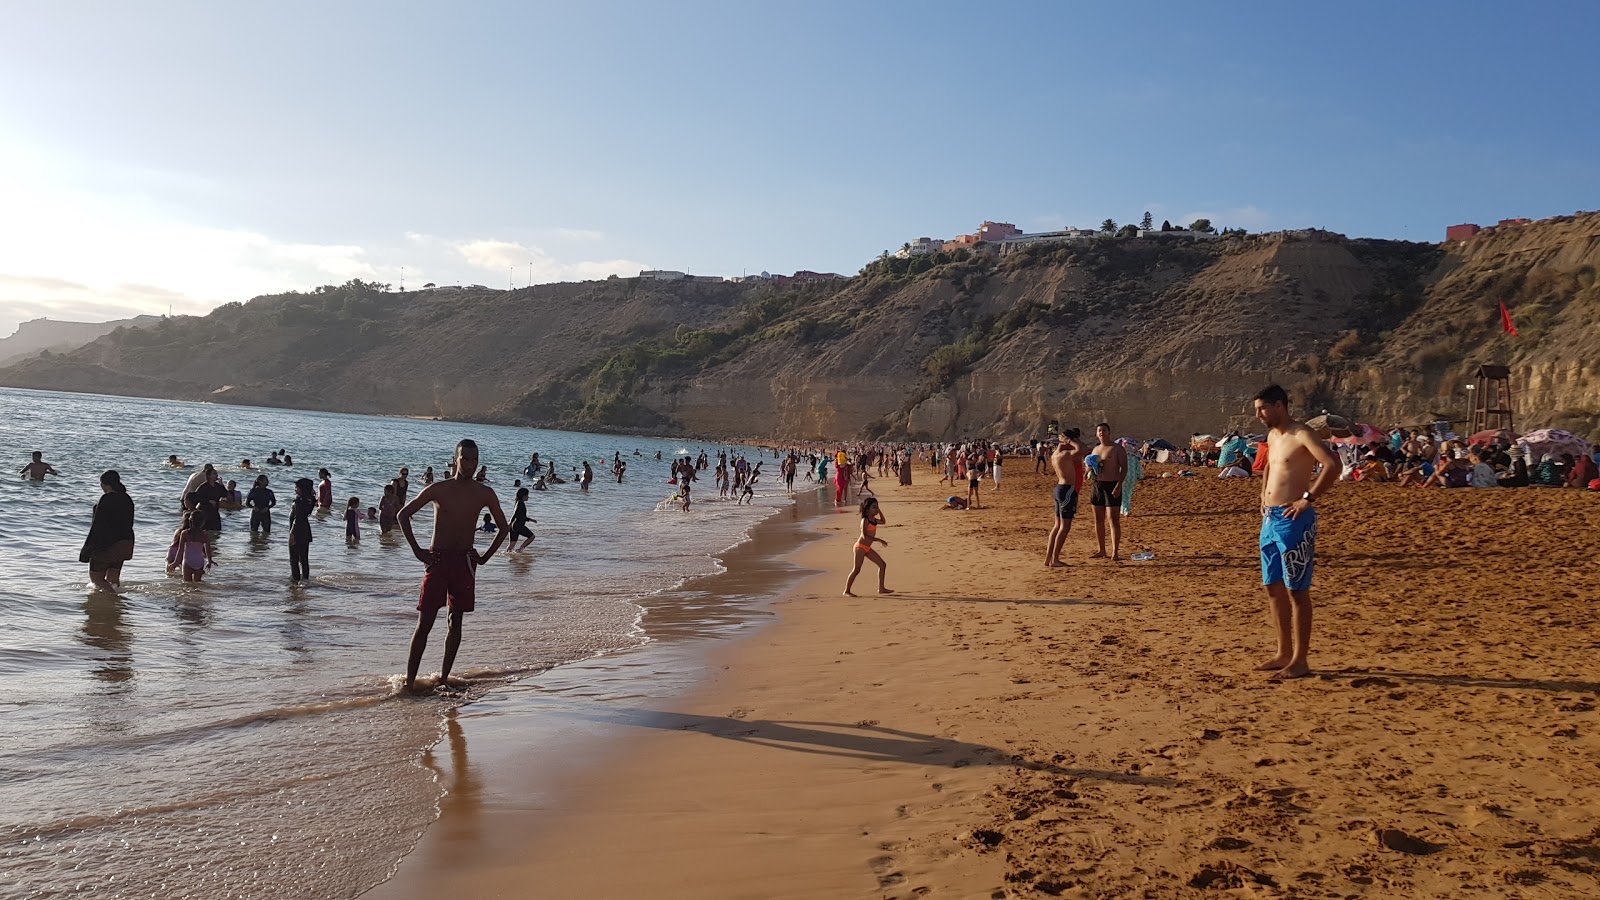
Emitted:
pixel 998 729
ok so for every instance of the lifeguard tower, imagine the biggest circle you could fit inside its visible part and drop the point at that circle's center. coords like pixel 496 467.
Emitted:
pixel 1493 409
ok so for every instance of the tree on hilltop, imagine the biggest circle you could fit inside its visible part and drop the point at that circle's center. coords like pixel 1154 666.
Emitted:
pixel 1145 223
pixel 1165 225
pixel 1203 226
pixel 1129 230
pixel 1108 226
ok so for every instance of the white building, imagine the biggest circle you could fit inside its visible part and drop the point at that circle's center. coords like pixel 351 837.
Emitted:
pixel 661 275
pixel 1063 236
pixel 920 247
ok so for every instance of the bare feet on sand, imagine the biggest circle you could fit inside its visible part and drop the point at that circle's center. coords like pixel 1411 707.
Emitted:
pixel 1058 564
pixel 1299 671
pixel 885 591
pixel 849 593
pixel 1098 554
pixel 1274 664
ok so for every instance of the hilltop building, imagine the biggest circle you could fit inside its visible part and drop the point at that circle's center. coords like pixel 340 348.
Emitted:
pixel 988 233
pixel 805 276
pixel 1467 231
pixel 1061 236
pixel 669 275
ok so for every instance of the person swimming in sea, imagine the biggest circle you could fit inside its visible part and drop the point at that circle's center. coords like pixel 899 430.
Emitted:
pixel 38 469
pixel 488 524
pixel 173 462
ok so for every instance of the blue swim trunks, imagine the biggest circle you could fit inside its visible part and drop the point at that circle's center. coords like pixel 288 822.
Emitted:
pixel 1288 547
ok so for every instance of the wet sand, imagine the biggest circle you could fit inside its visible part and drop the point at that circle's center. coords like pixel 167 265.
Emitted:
pixel 999 729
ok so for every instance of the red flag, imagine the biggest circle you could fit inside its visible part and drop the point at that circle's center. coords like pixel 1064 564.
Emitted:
pixel 1505 320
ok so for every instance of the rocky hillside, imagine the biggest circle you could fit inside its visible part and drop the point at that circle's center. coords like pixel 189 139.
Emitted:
pixel 1160 336
pixel 40 335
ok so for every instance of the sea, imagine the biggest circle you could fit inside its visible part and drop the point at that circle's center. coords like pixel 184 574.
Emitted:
pixel 245 736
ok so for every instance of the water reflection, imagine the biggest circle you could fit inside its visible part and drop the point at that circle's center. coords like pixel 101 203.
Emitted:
pixel 105 629
pixel 461 807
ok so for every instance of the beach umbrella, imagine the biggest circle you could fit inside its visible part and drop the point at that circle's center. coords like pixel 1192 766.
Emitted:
pixel 1163 444
pixel 1203 442
pixel 1494 436
pixel 1328 426
pixel 1361 435
pixel 1548 442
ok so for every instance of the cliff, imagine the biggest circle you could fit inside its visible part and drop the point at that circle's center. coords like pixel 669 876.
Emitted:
pixel 1159 336
pixel 38 335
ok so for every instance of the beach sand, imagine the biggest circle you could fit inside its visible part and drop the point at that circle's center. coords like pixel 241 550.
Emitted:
pixel 998 729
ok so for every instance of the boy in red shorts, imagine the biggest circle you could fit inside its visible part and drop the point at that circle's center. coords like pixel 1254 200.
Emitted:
pixel 452 560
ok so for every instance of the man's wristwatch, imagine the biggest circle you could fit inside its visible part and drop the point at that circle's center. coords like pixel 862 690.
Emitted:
pixel 1308 498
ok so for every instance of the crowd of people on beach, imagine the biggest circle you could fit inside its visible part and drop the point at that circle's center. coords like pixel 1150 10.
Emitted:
pixel 1298 465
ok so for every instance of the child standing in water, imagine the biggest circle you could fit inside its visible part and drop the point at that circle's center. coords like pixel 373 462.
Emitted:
pixel 305 502
pixel 325 490
pixel 519 522
pixel 871 518
pixel 192 548
pixel 388 509
pixel 352 521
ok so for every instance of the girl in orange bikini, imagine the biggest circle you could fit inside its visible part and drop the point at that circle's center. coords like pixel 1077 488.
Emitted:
pixel 871 518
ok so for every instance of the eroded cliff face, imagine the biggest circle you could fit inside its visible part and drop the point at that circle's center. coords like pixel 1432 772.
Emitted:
pixel 1161 338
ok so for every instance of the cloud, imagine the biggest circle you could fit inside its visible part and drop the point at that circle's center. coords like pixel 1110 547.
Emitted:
pixel 510 257
pixel 578 234
pixel 66 253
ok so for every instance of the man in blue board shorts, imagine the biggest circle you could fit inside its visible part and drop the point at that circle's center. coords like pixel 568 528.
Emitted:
pixel 1289 527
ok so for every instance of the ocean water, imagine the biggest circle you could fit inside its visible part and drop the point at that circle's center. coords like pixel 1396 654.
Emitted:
pixel 243 737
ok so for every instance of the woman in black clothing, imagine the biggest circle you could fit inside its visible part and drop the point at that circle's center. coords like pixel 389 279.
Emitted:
pixel 305 502
pixel 110 540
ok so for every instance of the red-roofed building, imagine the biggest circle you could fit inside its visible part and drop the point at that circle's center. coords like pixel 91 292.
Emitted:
pixel 1461 232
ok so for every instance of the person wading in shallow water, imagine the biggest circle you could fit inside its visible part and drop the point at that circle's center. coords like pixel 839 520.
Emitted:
pixel 1289 527
pixel 451 559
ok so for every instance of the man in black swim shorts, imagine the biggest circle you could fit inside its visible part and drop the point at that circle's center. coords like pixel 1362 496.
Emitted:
pixel 1107 499
pixel 1067 463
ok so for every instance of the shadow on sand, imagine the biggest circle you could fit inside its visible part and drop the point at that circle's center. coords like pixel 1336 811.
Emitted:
pixel 866 741
pixel 1038 601
pixel 1554 686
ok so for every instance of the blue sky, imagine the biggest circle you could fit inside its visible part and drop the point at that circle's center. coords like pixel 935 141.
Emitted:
pixel 191 153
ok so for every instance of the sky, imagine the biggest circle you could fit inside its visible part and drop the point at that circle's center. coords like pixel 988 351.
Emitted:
pixel 180 155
